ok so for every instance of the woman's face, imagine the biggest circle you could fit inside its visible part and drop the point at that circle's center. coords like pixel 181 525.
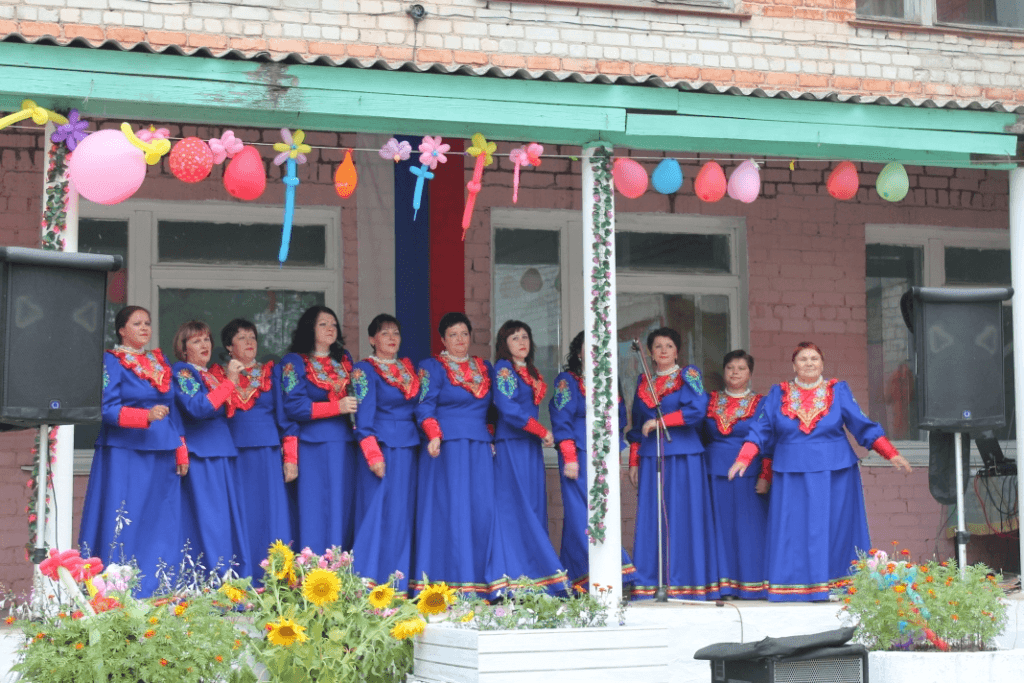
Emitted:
pixel 456 340
pixel 243 347
pixel 387 340
pixel 197 349
pixel 137 331
pixel 737 374
pixel 808 366
pixel 326 331
pixel 664 352
pixel 519 344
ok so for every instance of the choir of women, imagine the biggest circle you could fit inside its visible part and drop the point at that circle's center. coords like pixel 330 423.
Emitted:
pixel 438 474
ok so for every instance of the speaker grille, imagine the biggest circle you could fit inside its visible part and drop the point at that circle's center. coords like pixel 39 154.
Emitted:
pixel 821 671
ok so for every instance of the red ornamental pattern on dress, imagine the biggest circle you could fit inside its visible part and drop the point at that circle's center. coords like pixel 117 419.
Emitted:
pixel 535 383
pixel 727 410
pixel 212 381
pixel 329 375
pixel 251 383
pixel 471 375
pixel 663 385
pixel 807 405
pixel 151 367
pixel 401 375
pixel 579 381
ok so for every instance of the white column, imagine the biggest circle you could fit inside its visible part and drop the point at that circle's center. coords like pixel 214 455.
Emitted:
pixel 1017 280
pixel 600 365
pixel 375 224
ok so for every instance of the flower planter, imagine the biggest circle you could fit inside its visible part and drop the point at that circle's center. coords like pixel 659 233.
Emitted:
pixel 900 667
pixel 622 655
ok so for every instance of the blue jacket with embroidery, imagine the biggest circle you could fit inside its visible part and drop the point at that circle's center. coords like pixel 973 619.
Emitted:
pixel 689 398
pixel 459 413
pixel 513 399
pixel 260 421
pixel 300 393
pixel 568 411
pixel 122 388
pixel 206 427
pixel 384 411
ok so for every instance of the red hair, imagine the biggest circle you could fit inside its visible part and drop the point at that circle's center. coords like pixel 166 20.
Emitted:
pixel 806 345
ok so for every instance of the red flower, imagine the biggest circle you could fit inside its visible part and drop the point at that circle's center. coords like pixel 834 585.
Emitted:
pixel 79 646
pixel 163 662
pixel 104 604
pixel 80 569
pixel 904 552
pixel 77 614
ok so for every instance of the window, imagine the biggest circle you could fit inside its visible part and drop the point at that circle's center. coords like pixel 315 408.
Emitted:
pixel 1004 14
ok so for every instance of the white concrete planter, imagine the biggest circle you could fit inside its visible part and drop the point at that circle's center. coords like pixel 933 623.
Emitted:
pixel 582 655
pixel 971 667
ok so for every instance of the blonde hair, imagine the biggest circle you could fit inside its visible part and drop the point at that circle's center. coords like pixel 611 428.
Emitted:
pixel 189 329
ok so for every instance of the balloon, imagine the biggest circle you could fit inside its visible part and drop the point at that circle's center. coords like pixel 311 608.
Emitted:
pixel 745 182
pixel 843 182
pixel 710 184
pixel 630 177
pixel 667 177
pixel 106 168
pixel 245 177
pixel 191 160
pixel 893 183
pixel 346 178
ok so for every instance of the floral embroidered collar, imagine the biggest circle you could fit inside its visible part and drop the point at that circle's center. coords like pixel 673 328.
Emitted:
pixel 329 375
pixel 727 410
pixel 807 405
pixel 151 367
pixel 579 381
pixel 400 374
pixel 188 383
pixel 664 385
pixel 471 375
pixel 252 381
pixel 535 383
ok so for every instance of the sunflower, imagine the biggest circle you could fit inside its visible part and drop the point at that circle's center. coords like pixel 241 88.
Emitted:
pixel 233 593
pixel 282 560
pixel 408 628
pixel 286 632
pixel 381 596
pixel 435 598
pixel 321 586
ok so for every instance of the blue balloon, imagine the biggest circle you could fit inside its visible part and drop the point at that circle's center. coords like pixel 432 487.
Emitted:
pixel 667 177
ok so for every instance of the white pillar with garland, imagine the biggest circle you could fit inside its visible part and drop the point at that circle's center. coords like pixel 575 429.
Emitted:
pixel 600 369
pixel 1017 281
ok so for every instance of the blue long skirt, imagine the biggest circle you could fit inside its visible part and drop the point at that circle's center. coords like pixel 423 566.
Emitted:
pixel 145 485
pixel 260 478
pixel 326 495
pixel 690 561
pixel 384 518
pixel 741 520
pixel 455 517
pixel 213 516
pixel 816 523
pixel 575 547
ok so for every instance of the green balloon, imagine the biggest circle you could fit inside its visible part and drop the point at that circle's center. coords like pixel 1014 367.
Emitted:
pixel 893 183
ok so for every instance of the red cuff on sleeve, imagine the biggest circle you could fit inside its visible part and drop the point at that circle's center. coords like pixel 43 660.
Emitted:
pixel 290 449
pixel 181 454
pixel 432 429
pixel 634 455
pixel 220 394
pixel 747 453
pixel 885 448
pixel 322 409
pixel 675 419
pixel 766 470
pixel 134 418
pixel 568 450
pixel 535 428
pixel 371 450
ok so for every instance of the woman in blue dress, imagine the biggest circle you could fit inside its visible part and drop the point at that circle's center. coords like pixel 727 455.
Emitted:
pixel 520 486
pixel 387 389
pixel 740 506
pixel 213 501
pixel 316 382
pixel 816 518
pixel 455 493
pixel 568 410
pixel 689 565
pixel 139 459
pixel 262 436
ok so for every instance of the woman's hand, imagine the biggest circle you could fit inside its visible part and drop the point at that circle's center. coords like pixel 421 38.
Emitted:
pixel 182 469
pixel 348 405
pixel 649 427
pixel 571 470
pixel 738 468
pixel 549 441
pixel 634 475
pixel 378 469
pixel 434 447
pixel 762 486
pixel 291 471
pixel 157 413
pixel 900 463
pixel 234 369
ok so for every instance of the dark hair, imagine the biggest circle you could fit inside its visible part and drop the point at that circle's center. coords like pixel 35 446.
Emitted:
pixel 380 321
pixel 187 330
pixel 664 332
pixel 501 350
pixel 121 319
pixel 806 345
pixel 227 334
pixel 737 355
pixel 573 362
pixel 451 319
pixel 304 336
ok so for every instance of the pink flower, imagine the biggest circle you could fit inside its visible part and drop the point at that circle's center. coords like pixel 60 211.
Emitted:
pixel 395 150
pixel 152 133
pixel 225 147
pixel 399 575
pixel 79 568
pixel 323 563
pixel 432 152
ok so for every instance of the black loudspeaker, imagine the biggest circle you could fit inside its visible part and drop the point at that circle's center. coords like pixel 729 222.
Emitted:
pixel 51 336
pixel 958 339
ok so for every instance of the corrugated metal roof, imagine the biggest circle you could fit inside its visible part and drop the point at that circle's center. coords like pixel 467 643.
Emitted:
pixel 521 74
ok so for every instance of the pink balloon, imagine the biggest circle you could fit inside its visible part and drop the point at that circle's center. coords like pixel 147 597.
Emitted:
pixel 630 177
pixel 843 182
pixel 710 182
pixel 745 182
pixel 105 168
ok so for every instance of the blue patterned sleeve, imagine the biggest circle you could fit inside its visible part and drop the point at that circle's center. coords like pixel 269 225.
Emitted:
pixel 634 435
pixel 430 372
pixel 298 407
pixel 693 400
pixel 864 430
pixel 364 387
pixel 285 426
pixel 762 427
pixel 562 408
pixel 111 403
pixel 505 383
pixel 190 393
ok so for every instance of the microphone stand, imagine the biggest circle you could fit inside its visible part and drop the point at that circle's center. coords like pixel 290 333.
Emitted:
pixel 660 595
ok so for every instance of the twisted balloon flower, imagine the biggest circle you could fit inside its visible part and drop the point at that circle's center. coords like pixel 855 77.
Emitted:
pixel 292 150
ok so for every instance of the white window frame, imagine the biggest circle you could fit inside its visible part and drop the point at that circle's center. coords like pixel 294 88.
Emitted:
pixel 933 240
pixel 925 13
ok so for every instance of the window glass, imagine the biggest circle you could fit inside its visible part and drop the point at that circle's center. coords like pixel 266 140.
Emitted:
pixel 888 9
pixel 977 266
pixel 671 252
pixel 237 243
pixel 1002 13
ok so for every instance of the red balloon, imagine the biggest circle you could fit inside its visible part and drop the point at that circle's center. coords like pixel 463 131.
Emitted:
pixel 245 177
pixel 630 177
pixel 710 184
pixel 191 160
pixel 843 182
